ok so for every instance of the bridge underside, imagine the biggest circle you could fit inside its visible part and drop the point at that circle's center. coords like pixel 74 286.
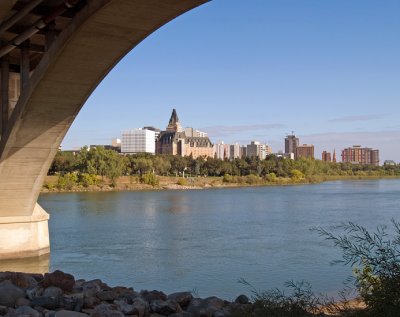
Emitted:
pixel 53 54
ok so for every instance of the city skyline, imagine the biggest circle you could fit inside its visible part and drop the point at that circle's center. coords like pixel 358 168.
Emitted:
pixel 267 70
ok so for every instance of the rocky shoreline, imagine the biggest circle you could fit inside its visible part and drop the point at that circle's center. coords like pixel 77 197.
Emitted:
pixel 58 294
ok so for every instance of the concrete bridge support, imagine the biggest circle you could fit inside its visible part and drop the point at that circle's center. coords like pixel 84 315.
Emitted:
pixel 24 236
pixel 53 54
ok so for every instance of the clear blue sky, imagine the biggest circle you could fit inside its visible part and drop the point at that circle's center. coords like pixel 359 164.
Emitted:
pixel 246 70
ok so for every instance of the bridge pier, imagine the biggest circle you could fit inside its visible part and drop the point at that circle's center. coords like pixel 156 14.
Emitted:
pixel 24 236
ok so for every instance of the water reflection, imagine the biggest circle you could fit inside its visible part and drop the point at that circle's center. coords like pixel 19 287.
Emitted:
pixel 29 265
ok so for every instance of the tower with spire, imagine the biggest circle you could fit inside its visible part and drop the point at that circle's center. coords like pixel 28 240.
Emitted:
pixel 334 156
pixel 175 141
pixel 174 125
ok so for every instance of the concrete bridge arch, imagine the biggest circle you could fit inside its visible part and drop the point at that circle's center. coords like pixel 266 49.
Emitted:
pixel 53 55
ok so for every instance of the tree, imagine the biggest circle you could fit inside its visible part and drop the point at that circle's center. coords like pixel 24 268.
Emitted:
pixel 375 258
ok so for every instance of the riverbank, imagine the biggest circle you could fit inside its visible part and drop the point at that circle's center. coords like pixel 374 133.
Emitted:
pixel 58 294
pixel 132 183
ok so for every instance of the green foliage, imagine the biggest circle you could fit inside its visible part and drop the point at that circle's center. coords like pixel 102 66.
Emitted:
pixel 271 177
pixel 182 181
pixel 149 179
pixel 300 302
pixel 67 181
pixel 253 179
pixel 107 163
pixel 228 178
pixel 296 175
pixel 86 179
pixel 49 186
pixel 375 258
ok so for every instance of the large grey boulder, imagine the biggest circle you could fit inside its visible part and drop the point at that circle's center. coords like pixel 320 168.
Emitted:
pixel 26 311
pixel 106 310
pixel 165 308
pixel 67 313
pixel 205 307
pixel 182 298
pixel 9 293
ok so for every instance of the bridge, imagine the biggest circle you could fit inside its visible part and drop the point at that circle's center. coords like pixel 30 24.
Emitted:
pixel 53 54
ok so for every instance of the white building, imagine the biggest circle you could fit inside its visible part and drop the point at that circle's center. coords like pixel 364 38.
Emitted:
pixel 190 132
pixel 138 141
pixel 221 150
pixel 258 149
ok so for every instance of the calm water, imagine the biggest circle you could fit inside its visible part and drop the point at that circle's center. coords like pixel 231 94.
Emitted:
pixel 207 239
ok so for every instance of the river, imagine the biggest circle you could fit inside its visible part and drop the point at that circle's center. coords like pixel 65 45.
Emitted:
pixel 206 240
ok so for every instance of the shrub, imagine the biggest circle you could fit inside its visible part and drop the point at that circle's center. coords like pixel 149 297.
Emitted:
pixel 49 186
pixel 149 179
pixel 375 259
pixel 253 179
pixel 86 179
pixel 67 181
pixel 271 177
pixel 227 178
pixel 300 302
pixel 182 181
pixel 296 175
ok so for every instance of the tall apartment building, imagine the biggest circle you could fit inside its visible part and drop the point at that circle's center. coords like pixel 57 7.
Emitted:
pixel 221 150
pixel 243 151
pixel 326 156
pixel 361 155
pixel 234 151
pixel 305 150
pixel 138 141
pixel 255 148
pixel 291 143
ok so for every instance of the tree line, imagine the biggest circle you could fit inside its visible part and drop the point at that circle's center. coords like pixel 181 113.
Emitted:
pixel 83 165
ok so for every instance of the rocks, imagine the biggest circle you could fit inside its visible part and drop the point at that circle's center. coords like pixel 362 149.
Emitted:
pixel 242 299
pixel 66 313
pixel 60 279
pixel 48 302
pixel 153 295
pixel 182 298
pixel 26 311
pixel 106 310
pixel 52 291
pixel 165 308
pixel 205 307
pixel 21 280
pixel 57 294
pixel 9 293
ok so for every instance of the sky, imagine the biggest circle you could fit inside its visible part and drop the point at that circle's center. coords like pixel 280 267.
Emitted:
pixel 245 70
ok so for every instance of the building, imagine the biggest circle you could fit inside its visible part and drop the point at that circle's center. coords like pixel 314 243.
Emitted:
pixel 334 156
pixel 221 150
pixel 174 141
pixel 255 148
pixel 243 151
pixel 190 132
pixel 305 150
pixel 138 141
pixel 389 163
pixel 326 156
pixel 156 131
pixel 361 155
pixel 291 143
pixel 234 151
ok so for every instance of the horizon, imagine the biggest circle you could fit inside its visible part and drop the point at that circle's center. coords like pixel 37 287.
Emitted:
pixel 320 69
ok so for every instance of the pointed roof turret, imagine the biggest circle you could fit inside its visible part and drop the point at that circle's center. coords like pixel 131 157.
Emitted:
pixel 174 117
pixel 174 125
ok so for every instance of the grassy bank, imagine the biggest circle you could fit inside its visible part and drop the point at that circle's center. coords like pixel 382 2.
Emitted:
pixel 135 183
